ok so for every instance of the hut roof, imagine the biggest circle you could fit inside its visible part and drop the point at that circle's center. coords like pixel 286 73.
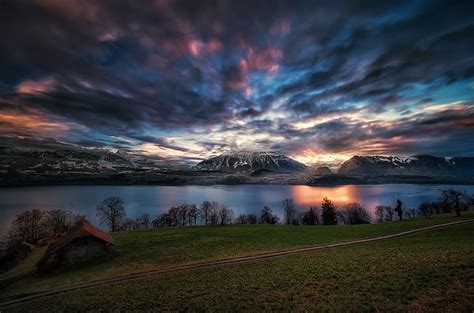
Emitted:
pixel 85 230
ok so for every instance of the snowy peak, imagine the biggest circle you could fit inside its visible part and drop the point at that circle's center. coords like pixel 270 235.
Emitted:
pixel 416 165
pixel 251 161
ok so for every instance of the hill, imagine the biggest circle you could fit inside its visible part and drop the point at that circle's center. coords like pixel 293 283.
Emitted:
pixel 139 251
pixel 322 171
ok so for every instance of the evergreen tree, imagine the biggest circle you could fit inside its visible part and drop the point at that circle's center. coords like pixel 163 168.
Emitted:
pixel 328 212
pixel 399 210
pixel 309 217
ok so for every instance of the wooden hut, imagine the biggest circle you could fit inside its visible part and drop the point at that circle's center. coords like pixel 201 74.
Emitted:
pixel 84 243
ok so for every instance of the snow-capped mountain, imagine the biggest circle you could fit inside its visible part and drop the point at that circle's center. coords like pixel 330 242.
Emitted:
pixel 417 165
pixel 251 161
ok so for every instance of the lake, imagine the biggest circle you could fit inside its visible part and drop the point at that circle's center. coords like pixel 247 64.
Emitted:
pixel 241 198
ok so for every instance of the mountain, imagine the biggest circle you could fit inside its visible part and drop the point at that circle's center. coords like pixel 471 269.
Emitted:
pixel 416 165
pixel 144 161
pixel 251 161
pixel 323 171
pixel 29 161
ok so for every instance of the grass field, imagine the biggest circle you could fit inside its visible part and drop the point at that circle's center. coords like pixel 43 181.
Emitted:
pixel 305 281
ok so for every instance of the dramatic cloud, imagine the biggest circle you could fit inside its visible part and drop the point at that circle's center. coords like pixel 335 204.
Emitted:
pixel 319 81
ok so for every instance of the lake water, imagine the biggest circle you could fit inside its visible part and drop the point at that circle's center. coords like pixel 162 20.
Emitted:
pixel 241 198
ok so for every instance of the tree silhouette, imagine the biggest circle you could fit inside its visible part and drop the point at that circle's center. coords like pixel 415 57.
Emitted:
pixel 111 212
pixel 399 210
pixel 454 200
pixel 328 214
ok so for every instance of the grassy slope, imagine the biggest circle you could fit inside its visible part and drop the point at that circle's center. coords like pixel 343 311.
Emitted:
pixel 142 250
pixel 431 271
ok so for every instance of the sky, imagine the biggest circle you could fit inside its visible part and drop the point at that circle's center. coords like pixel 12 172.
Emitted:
pixel 319 81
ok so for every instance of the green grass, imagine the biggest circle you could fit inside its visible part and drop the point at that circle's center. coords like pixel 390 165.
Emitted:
pixel 138 251
pixel 25 268
pixel 430 271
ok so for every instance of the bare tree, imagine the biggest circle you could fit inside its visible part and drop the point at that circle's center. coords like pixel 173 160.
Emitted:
pixel 246 219
pixel 59 221
pixel 37 223
pixel 111 212
pixel 143 221
pixel 78 220
pixel 182 214
pixel 309 217
pixel 454 200
pixel 129 224
pixel 267 216
pixel 193 213
pixel 173 216
pixel 162 220
pixel 341 217
pixel 410 213
pixel 241 219
pixel 225 214
pixel 379 213
pixel 205 211
pixel 389 213
pixel 356 214
pixel 214 213
pixel 27 225
pixel 252 219
pixel 289 210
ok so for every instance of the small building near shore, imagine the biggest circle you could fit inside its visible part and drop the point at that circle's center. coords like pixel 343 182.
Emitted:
pixel 84 243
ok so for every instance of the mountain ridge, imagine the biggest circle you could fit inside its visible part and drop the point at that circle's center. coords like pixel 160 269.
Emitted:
pixel 414 165
pixel 60 165
pixel 248 161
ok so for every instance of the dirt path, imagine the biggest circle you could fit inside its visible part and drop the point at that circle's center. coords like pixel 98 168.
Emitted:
pixel 231 260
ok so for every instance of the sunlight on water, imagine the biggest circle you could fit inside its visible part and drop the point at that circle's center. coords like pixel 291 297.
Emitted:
pixel 307 196
pixel 240 198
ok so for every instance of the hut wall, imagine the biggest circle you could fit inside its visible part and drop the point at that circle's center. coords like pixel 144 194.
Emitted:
pixel 83 249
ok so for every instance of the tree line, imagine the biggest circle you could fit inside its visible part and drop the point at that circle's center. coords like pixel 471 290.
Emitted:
pixel 39 223
pixel 327 214
pixel 111 212
pixel 450 201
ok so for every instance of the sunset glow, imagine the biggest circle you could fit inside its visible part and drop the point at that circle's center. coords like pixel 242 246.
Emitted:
pixel 185 82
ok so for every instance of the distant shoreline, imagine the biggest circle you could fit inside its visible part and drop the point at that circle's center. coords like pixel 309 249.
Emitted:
pixel 229 179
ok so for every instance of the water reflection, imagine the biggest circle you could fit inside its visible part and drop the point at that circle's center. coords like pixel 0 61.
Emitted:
pixel 310 196
pixel 241 198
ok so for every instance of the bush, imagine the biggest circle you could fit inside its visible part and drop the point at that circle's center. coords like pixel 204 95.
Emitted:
pixel 356 214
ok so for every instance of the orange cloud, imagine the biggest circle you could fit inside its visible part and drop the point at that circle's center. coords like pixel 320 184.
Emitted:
pixel 213 45
pixel 319 157
pixel 266 60
pixel 33 123
pixel 39 86
pixel 196 47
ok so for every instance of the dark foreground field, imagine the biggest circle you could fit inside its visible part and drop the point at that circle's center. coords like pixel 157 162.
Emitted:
pixel 430 271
